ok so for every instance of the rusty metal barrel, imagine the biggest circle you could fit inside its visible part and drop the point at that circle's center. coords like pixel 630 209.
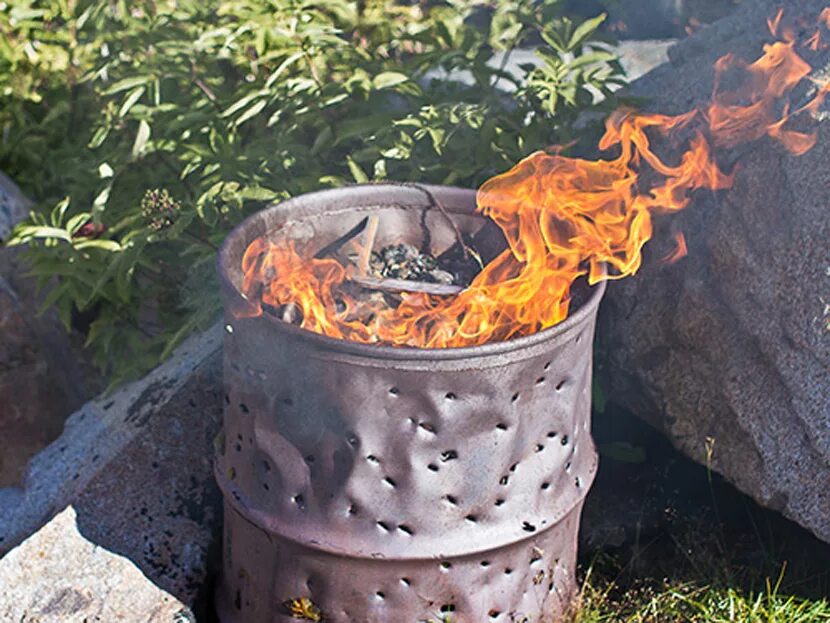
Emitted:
pixel 371 483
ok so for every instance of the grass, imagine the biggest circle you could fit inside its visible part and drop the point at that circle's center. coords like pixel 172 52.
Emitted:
pixel 694 603
pixel 694 549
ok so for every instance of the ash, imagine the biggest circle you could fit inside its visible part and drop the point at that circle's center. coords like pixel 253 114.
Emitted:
pixel 404 261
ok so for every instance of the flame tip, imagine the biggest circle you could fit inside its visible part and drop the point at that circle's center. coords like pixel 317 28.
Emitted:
pixel 563 217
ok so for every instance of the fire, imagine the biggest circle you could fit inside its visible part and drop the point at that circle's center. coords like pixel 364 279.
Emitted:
pixel 564 218
pixel 680 250
pixel 815 42
pixel 773 23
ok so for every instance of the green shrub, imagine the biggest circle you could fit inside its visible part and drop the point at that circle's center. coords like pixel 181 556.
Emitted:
pixel 155 127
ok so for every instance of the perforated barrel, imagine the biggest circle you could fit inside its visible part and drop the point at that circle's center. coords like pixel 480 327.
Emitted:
pixel 389 484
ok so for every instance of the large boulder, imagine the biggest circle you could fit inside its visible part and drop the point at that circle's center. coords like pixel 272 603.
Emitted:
pixel 728 350
pixel 137 468
pixel 43 378
pixel 58 575
pixel 14 206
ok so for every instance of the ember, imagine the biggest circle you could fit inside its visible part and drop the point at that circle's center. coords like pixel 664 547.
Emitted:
pixel 563 219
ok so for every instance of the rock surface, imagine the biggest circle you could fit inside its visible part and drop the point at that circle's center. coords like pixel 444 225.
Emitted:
pixel 59 575
pixel 42 378
pixel 14 206
pixel 728 350
pixel 137 468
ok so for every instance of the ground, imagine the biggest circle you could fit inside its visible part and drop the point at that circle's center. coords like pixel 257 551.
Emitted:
pixel 681 544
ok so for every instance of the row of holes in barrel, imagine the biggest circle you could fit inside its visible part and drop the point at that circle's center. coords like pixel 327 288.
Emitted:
pixel 299 500
pixel 446 566
pixel 446 456
pixel 289 402
pixel 541 380
pixel 535 561
pixel 449 455
pixel 395 391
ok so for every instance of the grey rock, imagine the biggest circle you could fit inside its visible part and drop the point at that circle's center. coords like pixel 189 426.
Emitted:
pixel 42 377
pixel 137 468
pixel 60 575
pixel 728 351
pixel 14 206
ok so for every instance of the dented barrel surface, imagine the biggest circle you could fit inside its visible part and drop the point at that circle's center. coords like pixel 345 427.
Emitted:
pixel 371 483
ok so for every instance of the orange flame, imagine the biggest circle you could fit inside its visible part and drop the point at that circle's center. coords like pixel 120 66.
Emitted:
pixel 773 23
pixel 680 251
pixel 563 218
pixel 816 42
pixel 693 26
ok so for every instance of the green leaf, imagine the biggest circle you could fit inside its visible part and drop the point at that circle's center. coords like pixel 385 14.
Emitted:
pixel 257 193
pixel 389 79
pixel 292 58
pixel 100 201
pixel 131 98
pixel 189 326
pixel 585 30
pixel 56 293
pixel 589 58
pixel 58 212
pixel 253 111
pixel 99 136
pixel 76 222
pixel 105 171
pixel 242 103
pixel 111 246
pixel 141 138
pixel 39 232
pixel 357 173
pixel 126 84
pixel 120 269
pixel 324 139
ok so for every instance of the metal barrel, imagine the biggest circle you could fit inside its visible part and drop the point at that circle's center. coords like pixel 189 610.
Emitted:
pixel 368 483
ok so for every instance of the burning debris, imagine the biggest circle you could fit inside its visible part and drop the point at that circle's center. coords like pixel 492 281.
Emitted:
pixel 404 261
pixel 561 218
